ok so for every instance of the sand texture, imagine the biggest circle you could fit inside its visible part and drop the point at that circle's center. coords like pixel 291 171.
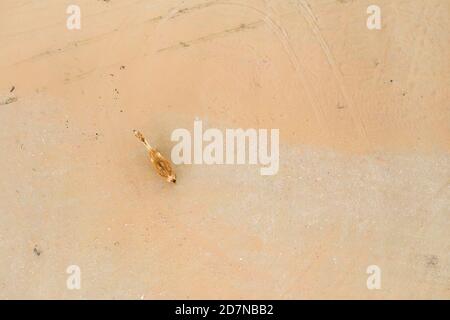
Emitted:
pixel 364 177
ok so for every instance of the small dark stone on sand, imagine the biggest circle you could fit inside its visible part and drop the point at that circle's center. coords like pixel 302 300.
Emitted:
pixel 37 251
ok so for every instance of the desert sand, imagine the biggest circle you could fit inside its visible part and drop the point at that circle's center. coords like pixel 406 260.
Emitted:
pixel 364 178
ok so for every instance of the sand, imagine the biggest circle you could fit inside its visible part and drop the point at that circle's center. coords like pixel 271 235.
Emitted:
pixel 364 121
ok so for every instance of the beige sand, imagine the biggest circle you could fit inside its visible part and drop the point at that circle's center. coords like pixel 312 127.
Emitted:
pixel 364 123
